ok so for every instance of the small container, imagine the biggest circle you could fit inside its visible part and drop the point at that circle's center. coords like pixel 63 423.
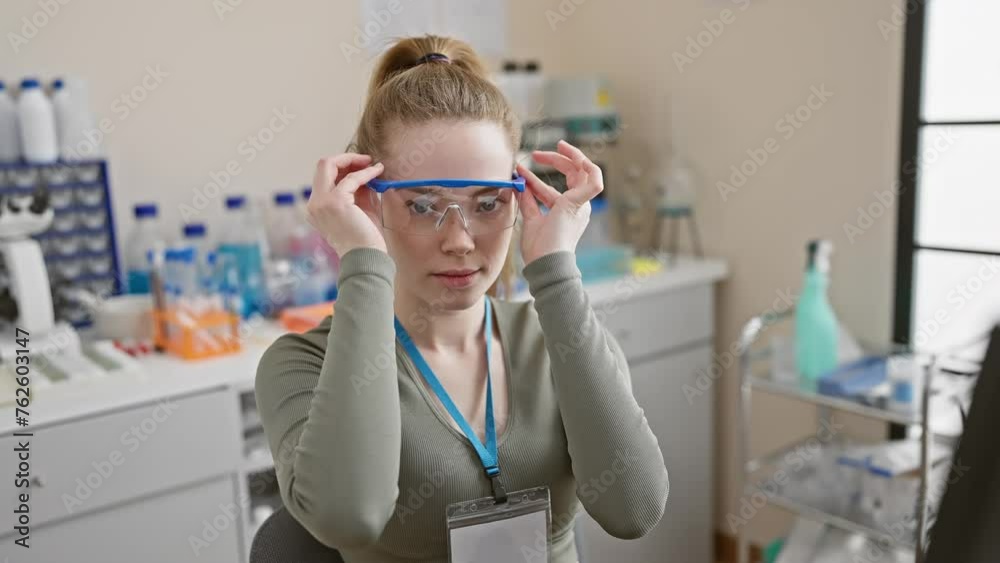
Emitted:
pixel 90 195
pixel 96 242
pixel 88 172
pixel 25 177
pixel 99 265
pixel 60 198
pixel 70 268
pixel 66 246
pixel 56 175
pixel 906 384
pixel 94 219
pixel 63 222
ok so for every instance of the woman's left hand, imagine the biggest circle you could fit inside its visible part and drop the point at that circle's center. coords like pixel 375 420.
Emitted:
pixel 569 212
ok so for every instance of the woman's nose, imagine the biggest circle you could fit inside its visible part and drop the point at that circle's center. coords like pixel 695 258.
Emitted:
pixel 457 239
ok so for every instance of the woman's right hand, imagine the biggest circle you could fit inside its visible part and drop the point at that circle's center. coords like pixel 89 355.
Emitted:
pixel 340 207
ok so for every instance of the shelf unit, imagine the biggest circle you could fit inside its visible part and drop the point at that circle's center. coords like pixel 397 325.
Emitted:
pixel 849 519
pixel 79 248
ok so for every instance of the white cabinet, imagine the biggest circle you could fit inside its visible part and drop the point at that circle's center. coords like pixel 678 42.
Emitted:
pixel 153 482
pixel 190 524
pixel 667 338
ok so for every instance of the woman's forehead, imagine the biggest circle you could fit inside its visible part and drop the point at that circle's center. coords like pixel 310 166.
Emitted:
pixel 449 150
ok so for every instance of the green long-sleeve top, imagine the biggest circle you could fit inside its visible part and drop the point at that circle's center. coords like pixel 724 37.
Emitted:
pixel 367 461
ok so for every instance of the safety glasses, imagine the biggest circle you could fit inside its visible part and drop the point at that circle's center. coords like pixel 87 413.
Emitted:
pixel 421 207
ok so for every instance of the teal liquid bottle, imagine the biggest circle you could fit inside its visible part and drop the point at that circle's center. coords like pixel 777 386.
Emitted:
pixel 816 327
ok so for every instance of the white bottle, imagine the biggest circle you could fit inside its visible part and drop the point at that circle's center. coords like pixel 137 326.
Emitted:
pixel 283 226
pixel 74 120
pixel 37 123
pixel 10 141
pixel 144 237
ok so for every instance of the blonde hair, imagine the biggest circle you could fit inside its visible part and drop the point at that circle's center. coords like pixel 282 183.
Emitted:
pixel 421 79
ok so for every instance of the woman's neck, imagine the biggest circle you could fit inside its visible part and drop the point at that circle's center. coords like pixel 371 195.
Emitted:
pixel 434 329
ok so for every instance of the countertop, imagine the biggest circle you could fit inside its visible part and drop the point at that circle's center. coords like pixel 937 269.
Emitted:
pixel 163 377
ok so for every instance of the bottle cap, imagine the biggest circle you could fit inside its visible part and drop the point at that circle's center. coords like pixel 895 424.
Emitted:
pixel 57 84
pixel 284 198
pixel 819 255
pixel 307 192
pixel 29 83
pixel 194 230
pixel 143 210
pixel 235 201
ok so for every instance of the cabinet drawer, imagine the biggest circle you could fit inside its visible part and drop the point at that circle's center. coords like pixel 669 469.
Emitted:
pixel 652 324
pixel 198 523
pixel 87 464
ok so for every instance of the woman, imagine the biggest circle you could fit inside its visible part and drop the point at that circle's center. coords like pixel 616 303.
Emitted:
pixel 367 454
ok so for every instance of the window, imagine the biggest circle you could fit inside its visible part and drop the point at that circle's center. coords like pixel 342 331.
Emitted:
pixel 948 237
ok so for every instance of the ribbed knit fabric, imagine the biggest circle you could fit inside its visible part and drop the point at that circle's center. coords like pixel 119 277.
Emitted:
pixel 367 462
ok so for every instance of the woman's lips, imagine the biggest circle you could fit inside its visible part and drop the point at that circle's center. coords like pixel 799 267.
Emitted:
pixel 457 279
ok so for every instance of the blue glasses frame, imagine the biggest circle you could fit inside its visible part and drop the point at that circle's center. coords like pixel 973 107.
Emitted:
pixel 516 182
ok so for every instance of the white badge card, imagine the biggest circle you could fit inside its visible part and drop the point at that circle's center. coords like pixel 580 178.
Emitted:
pixel 482 531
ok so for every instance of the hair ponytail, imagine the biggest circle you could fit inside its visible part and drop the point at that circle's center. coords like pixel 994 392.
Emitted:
pixel 410 85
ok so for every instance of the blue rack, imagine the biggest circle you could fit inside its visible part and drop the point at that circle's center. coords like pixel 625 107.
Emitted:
pixel 79 247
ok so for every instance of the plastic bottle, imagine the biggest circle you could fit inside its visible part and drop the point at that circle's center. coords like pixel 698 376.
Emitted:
pixel 816 328
pixel 73 120
pixel 37 123
pixel 285 221
pixel 316 264
pixel 144 237
pixel 196 237
pixel 10 139
pixel 240 249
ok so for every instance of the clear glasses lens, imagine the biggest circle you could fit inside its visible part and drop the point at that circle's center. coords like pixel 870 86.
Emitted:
pixel 426 210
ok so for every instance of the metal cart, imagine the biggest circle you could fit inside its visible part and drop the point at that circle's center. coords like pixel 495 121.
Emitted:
pixel 855 520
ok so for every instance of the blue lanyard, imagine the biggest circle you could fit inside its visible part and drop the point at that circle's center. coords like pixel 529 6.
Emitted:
pixel 487 453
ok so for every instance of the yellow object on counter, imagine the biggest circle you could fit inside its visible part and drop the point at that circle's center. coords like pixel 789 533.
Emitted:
pixel 646 266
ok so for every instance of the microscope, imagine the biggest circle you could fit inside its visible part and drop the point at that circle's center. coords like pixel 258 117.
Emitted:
pixel 26 303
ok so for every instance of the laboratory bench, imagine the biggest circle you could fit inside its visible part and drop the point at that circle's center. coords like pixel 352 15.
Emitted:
pixel 169 462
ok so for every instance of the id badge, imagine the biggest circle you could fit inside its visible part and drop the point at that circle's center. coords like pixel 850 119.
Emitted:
pixel 482 531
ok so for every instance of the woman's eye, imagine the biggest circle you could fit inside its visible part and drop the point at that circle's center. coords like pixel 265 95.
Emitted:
pixel 420 207
pixel 489 205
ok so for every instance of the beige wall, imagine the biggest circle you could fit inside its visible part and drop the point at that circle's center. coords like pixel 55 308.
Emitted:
pixel 730 99
pixel 225 77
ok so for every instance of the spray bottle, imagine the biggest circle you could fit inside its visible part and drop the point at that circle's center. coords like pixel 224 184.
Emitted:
pixel 816 327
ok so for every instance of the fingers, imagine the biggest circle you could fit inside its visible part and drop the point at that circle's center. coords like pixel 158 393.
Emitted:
pixel 330 170
pixel 351 182
pixel 544 192
pixel 560 162
pixel 582 192
pixel 528 206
